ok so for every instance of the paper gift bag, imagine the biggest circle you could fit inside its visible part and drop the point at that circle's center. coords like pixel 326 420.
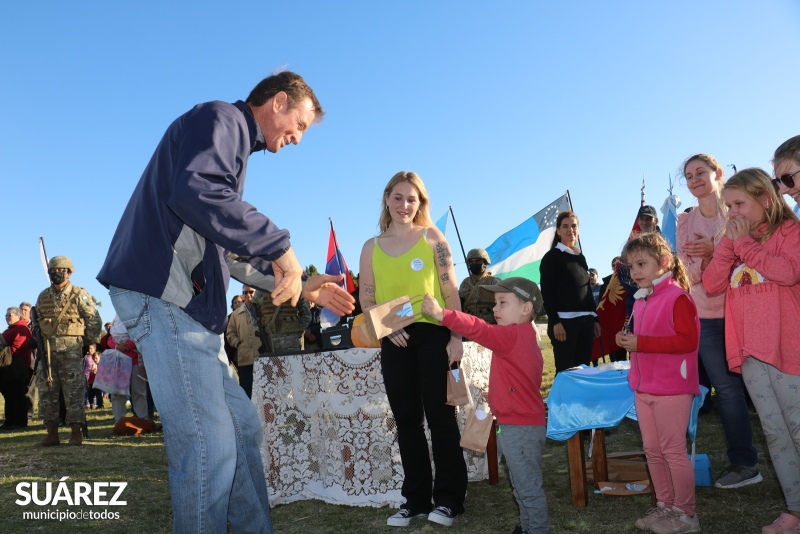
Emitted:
pixel 390 316
pixel 362 335
pixel 457 388
pixel 477 429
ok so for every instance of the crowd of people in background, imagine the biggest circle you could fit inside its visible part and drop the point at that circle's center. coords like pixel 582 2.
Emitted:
pixel 59 365
pixel 259 328
pixel 256 326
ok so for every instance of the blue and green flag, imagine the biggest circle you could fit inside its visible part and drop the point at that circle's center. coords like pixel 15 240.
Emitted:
pixel 519 251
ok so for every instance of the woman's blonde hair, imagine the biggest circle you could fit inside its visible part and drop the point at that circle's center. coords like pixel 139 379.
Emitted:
pixel 712 163
pixel 755 183
pixel 423 216
pixel 655 245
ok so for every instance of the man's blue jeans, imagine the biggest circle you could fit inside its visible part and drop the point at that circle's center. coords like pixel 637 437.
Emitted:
pixel 730 393
pixel 211 429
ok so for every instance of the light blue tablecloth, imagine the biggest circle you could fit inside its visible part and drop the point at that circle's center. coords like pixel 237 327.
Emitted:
pixel 586 398
pixel 597 397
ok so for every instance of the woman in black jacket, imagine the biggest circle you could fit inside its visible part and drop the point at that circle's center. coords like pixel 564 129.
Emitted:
pixel 567 294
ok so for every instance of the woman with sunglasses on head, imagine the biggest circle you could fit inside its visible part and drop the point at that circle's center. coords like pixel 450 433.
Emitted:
pixel 698 234
pixel 786 163
pixel 757 263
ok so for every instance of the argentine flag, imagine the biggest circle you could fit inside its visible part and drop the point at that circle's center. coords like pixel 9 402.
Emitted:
pixel 669 223
pixel 519 251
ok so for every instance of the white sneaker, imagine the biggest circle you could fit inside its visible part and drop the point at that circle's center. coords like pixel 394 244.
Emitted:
pixel 651 516
pixel 442 515
pixel 676 522
pixel 403 517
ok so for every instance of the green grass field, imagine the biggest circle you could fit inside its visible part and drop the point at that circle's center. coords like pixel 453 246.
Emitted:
pixel 141 462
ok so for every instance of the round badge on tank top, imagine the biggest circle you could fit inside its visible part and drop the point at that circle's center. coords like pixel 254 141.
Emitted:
pixel 417 264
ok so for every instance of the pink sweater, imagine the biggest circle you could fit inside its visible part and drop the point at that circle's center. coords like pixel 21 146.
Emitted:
pixel 763 297
pixel 690 225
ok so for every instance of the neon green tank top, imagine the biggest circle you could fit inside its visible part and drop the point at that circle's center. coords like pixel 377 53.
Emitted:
pixel 412 273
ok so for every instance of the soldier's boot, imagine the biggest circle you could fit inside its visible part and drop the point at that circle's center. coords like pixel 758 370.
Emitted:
pixel 76 438
pixel 51 439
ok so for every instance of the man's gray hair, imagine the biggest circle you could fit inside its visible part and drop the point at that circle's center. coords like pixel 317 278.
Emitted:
pixel 16 311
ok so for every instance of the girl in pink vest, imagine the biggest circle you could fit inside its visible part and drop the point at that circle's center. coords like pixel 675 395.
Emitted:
pixel 758 263
pixel 663 375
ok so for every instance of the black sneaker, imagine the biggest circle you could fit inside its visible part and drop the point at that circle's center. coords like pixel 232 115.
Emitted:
pixel 442 515
pixel 736 476
pixel 403 517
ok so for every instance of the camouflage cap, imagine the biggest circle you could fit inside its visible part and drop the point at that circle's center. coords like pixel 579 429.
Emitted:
pixel 61 262
pixel 476 253
pixel 522 287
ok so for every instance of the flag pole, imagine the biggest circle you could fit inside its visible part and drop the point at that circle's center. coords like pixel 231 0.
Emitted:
pixel 569 201
pixel 338 256
pixel 43 256
pixel 458 234
pixel 642 204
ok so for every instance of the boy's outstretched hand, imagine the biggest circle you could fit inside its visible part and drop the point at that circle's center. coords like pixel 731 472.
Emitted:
pixel 430 306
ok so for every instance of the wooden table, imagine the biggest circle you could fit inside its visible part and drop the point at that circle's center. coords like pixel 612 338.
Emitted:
pixel 577 466
pixel 581 400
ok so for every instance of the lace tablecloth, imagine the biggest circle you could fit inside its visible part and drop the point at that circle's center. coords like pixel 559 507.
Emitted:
pixel 329 433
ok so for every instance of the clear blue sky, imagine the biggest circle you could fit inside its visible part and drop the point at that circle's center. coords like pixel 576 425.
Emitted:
pixel 499 107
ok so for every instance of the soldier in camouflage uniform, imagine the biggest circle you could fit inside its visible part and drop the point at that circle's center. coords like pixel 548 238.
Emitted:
pixel 473 300
pixel 284 325
pixel 67 318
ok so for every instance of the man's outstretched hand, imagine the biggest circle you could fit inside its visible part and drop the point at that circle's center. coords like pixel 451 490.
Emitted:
pixel 324 291
pixel 288 279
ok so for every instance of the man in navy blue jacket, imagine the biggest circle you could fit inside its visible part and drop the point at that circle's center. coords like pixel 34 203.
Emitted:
pixel 185 232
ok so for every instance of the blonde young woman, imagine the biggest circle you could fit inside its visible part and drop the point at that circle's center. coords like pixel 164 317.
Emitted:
pixel 699 232
pixel 411 257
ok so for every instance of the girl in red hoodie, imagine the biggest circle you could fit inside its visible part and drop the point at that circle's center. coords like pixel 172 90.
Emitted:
pixel 663 375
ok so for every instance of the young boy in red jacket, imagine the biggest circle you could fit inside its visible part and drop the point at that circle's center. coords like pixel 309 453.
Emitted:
pixel 514 380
